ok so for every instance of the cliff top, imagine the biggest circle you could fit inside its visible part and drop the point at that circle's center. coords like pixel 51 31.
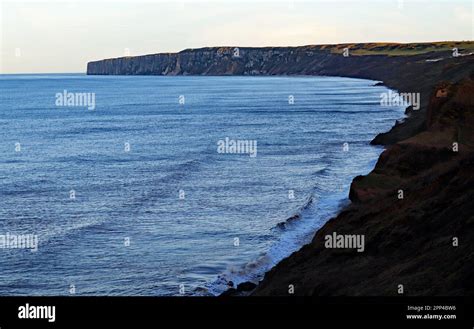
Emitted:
pixel 359 49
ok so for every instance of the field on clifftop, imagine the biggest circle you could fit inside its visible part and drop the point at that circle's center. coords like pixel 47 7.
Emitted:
pixel 402 49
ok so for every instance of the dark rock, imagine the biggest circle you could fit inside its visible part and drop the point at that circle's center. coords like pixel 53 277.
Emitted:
pixel 246 286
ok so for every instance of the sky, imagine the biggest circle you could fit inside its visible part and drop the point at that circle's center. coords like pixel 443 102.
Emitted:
pixel 61 36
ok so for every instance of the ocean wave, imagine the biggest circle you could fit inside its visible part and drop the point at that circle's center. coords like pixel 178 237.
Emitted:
pixel 294 232
pixel 297 214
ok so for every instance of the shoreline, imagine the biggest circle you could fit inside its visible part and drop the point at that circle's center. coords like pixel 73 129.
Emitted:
pixel 429 156
pixel 386 140
pixel 276 281
pixel 245 288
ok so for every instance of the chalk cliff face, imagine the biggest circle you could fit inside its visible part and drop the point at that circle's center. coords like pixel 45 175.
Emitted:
pixel 306 60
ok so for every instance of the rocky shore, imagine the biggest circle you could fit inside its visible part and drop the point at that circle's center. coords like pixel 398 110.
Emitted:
pixel 423 241
pixel 417 241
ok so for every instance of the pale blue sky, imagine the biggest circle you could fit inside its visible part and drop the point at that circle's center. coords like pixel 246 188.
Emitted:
pixel 62 36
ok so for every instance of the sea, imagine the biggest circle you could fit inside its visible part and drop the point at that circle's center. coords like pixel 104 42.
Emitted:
pixel 173 185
